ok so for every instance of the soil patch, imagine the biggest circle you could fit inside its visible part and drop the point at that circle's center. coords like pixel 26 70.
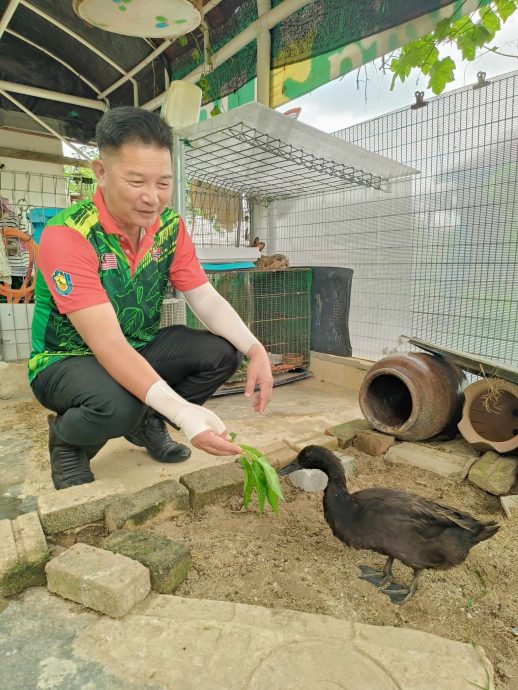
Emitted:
pixel 292 560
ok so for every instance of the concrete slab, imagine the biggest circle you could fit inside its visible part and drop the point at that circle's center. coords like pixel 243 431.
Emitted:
pixel 510 506
pixel 101 580
pixel 346 432
pixel 154 503
pixel 450 465
pixel 77 505
pixel 494 473
pixel 373 442
pixel 168 562
pixel 313 438
pixel 304 404
pixel 213 484
pixel 23 555
pixel 169 642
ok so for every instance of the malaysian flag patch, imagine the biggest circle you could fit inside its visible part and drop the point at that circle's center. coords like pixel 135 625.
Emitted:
pixel 156 253
pixel 108 261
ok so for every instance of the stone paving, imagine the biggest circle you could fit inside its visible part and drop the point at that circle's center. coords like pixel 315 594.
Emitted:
pixel 172 643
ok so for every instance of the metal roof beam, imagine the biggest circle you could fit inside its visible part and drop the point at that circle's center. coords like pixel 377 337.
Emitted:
pixel 52 95
pixel 84 42
pixel 17 103
pixel 55 57
pixel 163 46
pixel 8 13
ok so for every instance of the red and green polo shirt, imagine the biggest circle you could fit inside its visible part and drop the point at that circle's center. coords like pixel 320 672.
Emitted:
pixel 84 260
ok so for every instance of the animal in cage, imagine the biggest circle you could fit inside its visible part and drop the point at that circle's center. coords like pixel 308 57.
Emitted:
pixel 256 242
pixel 420 533
pixel 275 262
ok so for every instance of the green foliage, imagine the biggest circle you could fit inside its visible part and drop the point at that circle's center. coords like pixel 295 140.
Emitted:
pixel 469 34
pixel 262 477
pixel 80 180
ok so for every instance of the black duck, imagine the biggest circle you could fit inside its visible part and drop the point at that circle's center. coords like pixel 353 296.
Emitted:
pixel 418 532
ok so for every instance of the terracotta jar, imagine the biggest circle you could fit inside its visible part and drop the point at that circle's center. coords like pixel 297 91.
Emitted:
pixel 490 415
pixel 412 396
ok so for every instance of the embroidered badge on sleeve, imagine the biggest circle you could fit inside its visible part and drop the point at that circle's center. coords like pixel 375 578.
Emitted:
pixel 62 282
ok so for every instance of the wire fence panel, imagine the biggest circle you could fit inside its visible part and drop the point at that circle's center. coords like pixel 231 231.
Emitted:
pixel 276 306
pixel 435 257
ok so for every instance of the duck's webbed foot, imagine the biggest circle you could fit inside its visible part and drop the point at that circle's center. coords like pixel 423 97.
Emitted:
pixel 400 595
pixel 383 580
pixel 371 574
pixel 379 578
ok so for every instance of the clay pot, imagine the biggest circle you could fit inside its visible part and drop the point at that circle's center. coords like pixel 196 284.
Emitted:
pixel 490 415
pixel 412 396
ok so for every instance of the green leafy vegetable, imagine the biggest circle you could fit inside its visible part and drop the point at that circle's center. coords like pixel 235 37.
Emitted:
pixel 261 476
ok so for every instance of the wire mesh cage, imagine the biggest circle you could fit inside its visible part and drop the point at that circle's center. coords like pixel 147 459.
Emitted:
pixel 216 217
pixel 173 312
pixel 276 306
pixel 435 256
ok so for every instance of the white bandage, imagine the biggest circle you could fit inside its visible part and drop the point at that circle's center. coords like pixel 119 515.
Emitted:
pixel 219 317
pixel 192 419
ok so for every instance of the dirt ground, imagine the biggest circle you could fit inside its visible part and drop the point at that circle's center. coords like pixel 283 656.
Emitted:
pixel 292 560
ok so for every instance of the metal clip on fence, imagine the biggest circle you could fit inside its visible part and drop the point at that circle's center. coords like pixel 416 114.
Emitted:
pixel 419 100
pixel 482 81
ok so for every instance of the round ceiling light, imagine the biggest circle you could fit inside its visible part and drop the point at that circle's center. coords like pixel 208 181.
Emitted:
pixel 156 19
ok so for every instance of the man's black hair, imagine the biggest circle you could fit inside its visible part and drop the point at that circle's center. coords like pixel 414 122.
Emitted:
pixel 126 124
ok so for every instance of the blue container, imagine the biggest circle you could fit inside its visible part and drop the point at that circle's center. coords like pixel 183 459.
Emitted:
pixel 39 218
pixel 235 265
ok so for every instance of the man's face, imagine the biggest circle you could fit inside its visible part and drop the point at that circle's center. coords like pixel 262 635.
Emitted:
pixel 136 182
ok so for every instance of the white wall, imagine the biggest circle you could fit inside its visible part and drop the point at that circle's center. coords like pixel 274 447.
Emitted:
pixel 35 182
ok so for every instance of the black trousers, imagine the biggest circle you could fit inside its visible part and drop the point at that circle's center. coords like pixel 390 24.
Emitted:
pixel 93 407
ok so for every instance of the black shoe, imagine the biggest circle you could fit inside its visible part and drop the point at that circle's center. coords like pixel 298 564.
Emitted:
pixel 152 435
pixel 69 464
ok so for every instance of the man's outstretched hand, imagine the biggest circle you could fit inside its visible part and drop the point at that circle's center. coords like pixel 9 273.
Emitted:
pixel 215 444
pixel 259 373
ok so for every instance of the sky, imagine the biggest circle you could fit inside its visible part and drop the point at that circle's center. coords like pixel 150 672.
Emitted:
pixel 360 96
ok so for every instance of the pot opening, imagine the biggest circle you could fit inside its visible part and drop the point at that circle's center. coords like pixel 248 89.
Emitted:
pixel 389 400
pixel 495 417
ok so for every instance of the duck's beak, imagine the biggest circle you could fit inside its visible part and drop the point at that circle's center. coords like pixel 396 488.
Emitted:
pixel 292 467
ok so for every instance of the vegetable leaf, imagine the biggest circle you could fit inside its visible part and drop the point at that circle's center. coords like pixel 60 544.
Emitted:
pixel 260 485
pixel 249 482
pixel 261 476
pixel 271 476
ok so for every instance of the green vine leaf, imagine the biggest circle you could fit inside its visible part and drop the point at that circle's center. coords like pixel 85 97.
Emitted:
pixel 441 73
pixel 505 8
pixel 469 34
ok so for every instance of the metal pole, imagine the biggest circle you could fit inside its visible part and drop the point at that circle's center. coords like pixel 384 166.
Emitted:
pixel 263 54
pixel 179 175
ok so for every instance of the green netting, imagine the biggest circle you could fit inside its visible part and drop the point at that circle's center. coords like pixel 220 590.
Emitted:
pixel 320 27
pixel 230 76
pixel 326 25
pixel 275 305
pixel 239 15
pixel 228 20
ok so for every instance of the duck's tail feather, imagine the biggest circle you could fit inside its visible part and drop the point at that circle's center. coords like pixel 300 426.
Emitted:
pixel 486 531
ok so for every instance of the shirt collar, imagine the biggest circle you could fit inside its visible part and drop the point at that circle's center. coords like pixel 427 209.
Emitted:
pixel 107 221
